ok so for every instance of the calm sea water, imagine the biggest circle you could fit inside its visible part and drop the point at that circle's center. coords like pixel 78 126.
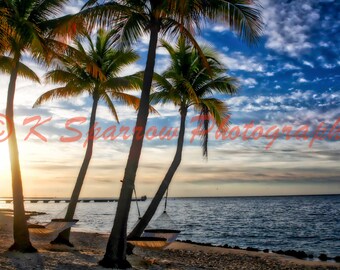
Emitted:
pixel 309 223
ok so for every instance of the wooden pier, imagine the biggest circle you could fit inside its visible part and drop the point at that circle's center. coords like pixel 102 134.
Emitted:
pixel 59 200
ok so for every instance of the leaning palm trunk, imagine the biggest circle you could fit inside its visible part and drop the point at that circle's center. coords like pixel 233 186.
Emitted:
pixel 144 221
pixel 115 255
pixel 20 230
pixel 64 236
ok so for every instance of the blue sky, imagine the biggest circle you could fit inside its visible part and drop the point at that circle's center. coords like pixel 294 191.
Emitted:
pixel 291 78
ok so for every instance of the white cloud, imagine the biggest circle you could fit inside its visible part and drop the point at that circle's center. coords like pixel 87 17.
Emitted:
pixel 302 80
pixel 292 101
pixel 238 61
pixel 219 28
pixel 162 51
pixel 225 48
pixel 269 74
pixel 298 74
pixel 317 79
pixel 288 25
pixel 248 82
pixel 325 44
pixel 237 101
pixel 325 64
pixel 302 95
pixel 306 63
pixel 328 66
pixel 289 66
pixel 162 64
pixel 131 69
pixel 73 7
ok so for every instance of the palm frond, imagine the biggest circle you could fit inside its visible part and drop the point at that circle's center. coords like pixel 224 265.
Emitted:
pixel 95 71
pixel 116 60
pixel 164 91
pixel 188 82
pixel 91 66
pixel 132 28
pixel 130 100
pixel 105 97
pixel 119 84
pixel 45 9
pixel 103 15
pixel 203 123
pixel 6 66
pixel 162 82
pixel 173 25
pixel 60 76
pixel 57 93
pixel 65 28
pixel 223 85
pixel 218 110
pixel 242 16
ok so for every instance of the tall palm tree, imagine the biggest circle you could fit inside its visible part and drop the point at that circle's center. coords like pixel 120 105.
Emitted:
pixel 133 18
pixel 94 71
pixel 24 27
pixel 189 83
pixel 20 231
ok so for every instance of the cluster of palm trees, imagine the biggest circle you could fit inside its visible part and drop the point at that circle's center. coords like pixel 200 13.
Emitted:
pixel 35 27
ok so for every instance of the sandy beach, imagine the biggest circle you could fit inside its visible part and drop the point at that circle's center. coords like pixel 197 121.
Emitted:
pixel 89 249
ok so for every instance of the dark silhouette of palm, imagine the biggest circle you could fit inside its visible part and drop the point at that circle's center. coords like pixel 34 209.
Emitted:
pixel 24 27
pixel 133 18
pixel 94 71
pixel 188 83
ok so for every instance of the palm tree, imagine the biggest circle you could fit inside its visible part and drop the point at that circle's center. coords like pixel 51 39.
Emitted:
pixel 20 231
pixel 188 83
pixel 94 71
pixel 133 18
pixel 24 27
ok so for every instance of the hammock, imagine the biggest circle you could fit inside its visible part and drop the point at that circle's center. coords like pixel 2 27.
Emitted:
pixel 163 227
pixel 51 229
pixel 149 242
pixel 169 235
pixel 157 238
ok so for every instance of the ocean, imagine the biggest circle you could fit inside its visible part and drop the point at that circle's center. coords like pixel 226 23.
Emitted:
pixel 308 223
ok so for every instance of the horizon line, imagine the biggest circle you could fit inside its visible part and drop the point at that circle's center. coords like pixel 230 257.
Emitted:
pixel 186 197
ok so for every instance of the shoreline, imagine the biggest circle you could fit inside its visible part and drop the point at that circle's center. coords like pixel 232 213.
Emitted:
pixel 90 247
pixel 298 254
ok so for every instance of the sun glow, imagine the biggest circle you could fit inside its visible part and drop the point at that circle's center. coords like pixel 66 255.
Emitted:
pixel 4 158
pixel 5 185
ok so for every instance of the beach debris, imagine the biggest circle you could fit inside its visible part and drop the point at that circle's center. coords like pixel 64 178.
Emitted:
pixel 252 249
pixel 323 257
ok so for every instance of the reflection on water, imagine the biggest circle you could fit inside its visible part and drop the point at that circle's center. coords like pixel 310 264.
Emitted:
pixel 309 223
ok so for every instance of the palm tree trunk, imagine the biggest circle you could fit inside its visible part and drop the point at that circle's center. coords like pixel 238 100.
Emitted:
pixel 20 230
pixel 144 221
pixel 64 236
pixel 115 255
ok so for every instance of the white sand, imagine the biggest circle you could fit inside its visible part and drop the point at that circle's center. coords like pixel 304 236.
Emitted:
pixel 90 247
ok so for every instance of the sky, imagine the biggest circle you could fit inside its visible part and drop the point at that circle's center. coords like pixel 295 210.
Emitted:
pixel 284 133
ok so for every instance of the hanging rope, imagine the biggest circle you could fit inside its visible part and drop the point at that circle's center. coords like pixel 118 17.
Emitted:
pixel 160 237
pixel 134 190
pixel 136 199
pixel 166 200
